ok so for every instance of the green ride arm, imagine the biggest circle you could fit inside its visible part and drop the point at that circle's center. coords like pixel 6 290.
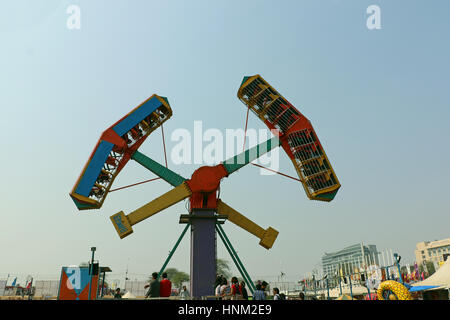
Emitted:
pixel 231 165
pixel 237 162
pixel 164 173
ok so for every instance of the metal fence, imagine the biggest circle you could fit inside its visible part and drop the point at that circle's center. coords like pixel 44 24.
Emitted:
pixel 349 283
pixel 136 288
pixel 2 287
pixel 46 288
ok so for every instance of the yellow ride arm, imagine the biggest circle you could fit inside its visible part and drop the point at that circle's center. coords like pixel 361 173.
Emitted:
pixel 123 223
pixel 267 236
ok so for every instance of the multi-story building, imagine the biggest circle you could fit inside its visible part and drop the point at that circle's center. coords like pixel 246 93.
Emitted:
pixel 345 261
pixel 432 251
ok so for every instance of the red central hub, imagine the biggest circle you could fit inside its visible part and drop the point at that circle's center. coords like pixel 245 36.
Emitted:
pixel 204 183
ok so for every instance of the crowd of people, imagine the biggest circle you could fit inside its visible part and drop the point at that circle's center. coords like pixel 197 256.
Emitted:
pixel 163 288
pixel 158 289
pixel 235 290
pixel 230 291
pixel 224 290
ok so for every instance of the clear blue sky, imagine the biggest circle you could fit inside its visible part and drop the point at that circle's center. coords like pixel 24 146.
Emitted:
pixel 378 99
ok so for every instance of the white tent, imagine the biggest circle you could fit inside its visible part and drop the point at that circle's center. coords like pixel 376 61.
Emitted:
pixel 441 278
pixel 128 295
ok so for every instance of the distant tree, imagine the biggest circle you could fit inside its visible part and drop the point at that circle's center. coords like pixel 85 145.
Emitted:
pixel 179 278
pixel 176 277
pixel 430 267
pixel 223 268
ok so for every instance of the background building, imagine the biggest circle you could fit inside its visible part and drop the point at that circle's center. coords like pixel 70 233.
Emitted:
pixel 349 259
pixel 432 251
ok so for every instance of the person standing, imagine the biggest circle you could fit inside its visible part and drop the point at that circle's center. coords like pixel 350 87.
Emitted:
pixel 218 284
pixel 225 290
pixel 259 293
pixel 243 290
pixel 117 294
pixel 235 289
pixel 165 286
pixel 184 294
pixel 276 294
pixel 153 287
pixel 264 286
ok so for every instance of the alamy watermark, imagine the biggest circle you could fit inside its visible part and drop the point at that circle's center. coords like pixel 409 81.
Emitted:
pixel 74 19
pixel 73 278
pixel 73 22
pixel 212 146
pixel 374 20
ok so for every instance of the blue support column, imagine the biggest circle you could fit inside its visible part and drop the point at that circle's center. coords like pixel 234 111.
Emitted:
pixel 203 253
pixel 91 271
pixel 350 282
pixel 397 262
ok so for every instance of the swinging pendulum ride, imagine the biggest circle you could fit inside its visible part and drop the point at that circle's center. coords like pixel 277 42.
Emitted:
pixel 120 142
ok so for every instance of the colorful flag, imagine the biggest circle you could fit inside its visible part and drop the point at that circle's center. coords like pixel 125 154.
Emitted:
pixel 416 269
pixel 30 283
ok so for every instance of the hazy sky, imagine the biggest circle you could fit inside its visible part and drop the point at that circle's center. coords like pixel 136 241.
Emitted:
pixel 378 99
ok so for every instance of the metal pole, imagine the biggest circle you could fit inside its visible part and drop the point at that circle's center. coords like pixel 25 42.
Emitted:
pixel 350 282
pixel 398 267
pixel 126 275
pixel 248 281
pixel 235 258
pixel 173 250
pixel 362 252
pixel 328 290
pixel 366 276
pixel 7 278
pixel 235 254
pixel 91 270
pixel 314 282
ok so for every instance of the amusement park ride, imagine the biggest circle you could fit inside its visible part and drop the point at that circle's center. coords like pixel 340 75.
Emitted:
pixel 120 143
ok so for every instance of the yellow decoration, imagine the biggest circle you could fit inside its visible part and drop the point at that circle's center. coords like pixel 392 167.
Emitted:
pixel 399 290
